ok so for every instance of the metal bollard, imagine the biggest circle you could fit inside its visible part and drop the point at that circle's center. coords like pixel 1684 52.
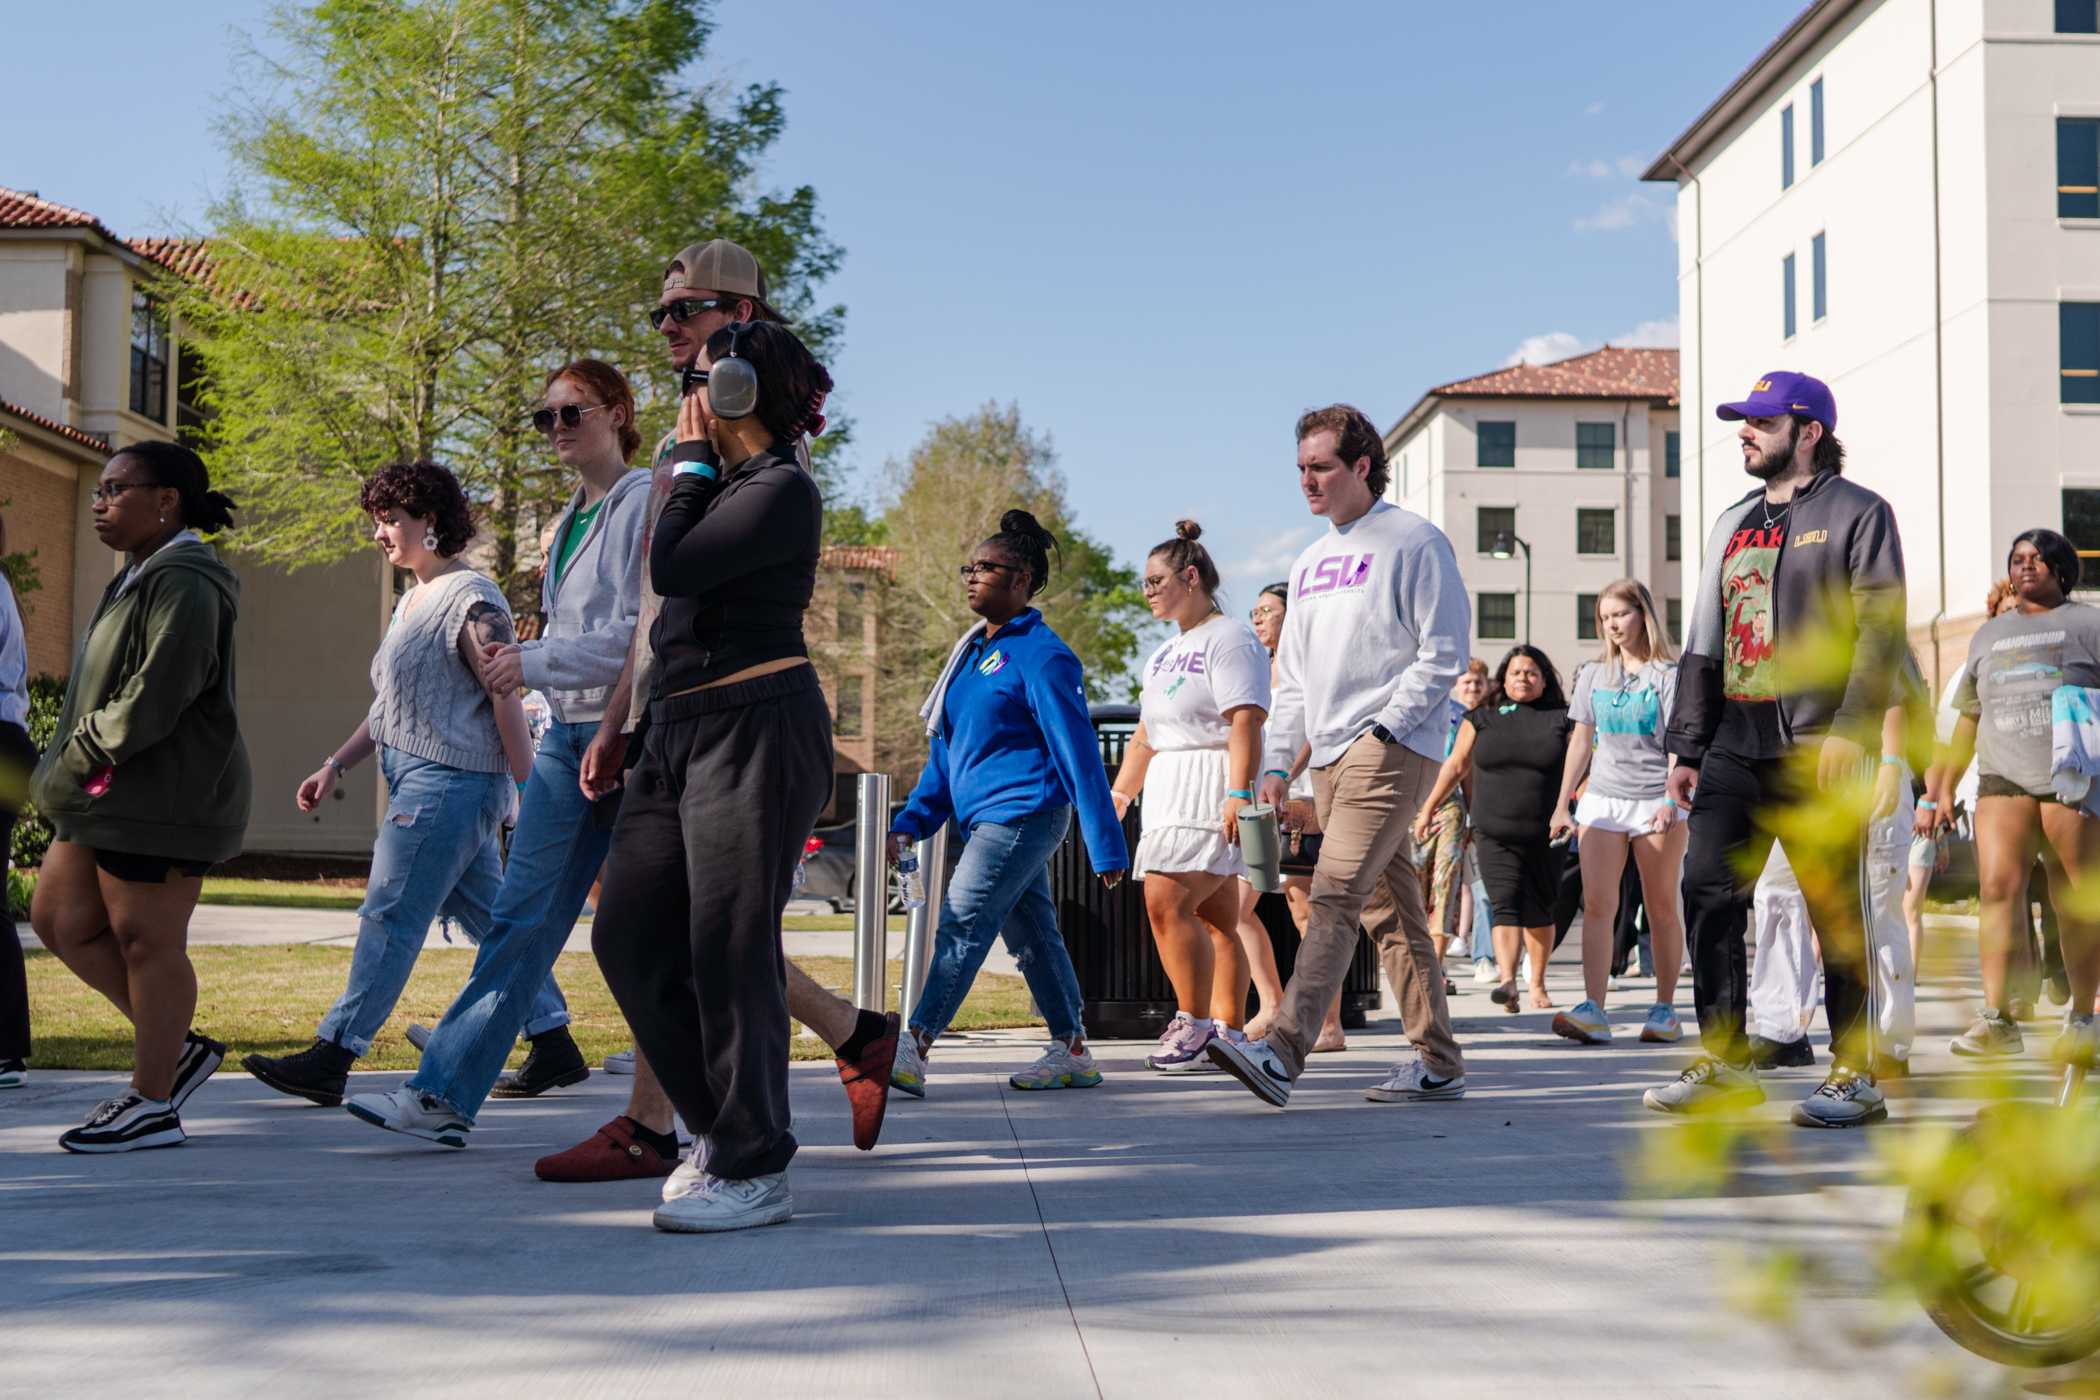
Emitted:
pixel 871 890
pixel 923 921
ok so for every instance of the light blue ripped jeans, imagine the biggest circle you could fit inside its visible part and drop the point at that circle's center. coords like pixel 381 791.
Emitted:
pixel 438 852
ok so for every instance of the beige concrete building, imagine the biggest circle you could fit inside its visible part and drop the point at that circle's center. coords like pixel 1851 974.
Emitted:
pixel 89 365
pixel 844 626
pixel 1902 197
pixel 1578 460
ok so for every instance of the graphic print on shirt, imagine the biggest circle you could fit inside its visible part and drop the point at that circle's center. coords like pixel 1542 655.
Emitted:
pixel 1747 565
pixel 992 664
pixel 1337 573
pixel 1180 665
pixel 2019 674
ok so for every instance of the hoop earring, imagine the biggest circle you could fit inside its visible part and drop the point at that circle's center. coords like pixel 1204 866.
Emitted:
pixel 430 540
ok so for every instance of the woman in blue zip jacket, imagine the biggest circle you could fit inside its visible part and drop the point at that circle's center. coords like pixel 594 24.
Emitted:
pixel 1012 752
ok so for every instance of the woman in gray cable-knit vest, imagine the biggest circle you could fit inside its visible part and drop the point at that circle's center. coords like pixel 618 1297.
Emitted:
pixel 451 752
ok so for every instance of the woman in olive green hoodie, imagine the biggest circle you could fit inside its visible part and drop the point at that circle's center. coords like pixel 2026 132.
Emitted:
pixel 146 783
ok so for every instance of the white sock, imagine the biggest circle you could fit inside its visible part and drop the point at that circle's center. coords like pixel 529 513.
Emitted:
pixel 1201 1023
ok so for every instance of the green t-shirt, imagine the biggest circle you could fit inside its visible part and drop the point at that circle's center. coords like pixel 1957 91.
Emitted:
pixel 572 537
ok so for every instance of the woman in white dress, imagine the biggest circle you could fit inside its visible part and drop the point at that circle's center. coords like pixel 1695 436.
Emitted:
pixel 1193 761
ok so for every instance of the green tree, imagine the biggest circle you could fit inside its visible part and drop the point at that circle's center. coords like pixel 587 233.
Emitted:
pixel 436 203
pixel 946 498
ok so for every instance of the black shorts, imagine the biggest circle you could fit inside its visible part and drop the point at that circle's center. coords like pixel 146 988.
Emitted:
pixel 1991 785
pixel 147 870
pixel 1521 878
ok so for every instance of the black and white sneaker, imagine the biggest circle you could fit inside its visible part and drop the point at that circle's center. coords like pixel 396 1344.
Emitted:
pixel 201 1058
pixel 126 1123
pixel 13 1074
pixel 1255 1065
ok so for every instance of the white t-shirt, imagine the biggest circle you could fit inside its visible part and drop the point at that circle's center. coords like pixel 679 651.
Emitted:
pixel 1195 677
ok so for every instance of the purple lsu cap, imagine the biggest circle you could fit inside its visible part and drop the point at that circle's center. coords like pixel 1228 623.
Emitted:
pixel 1783 392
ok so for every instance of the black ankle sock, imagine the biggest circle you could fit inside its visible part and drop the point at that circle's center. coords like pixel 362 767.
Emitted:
pixel 665 1144
pixel 867 1029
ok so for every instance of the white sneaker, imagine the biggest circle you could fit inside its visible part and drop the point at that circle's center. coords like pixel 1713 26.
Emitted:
pixel 414 1113
pixel 1410 1082
pixel 715 1204
pixel 691 1171
pixel 1255 1065
pixel 1056 1068
pixel 908 1070
pixel 1484 974
pixel 620 1062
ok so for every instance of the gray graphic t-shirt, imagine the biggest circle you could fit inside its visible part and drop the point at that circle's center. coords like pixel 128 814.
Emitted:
pixel 2015 662
pixel 1629 710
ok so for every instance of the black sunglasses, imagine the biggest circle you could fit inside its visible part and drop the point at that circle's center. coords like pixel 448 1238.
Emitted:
pixel 684 309
pixel 569 414
pixel 984 566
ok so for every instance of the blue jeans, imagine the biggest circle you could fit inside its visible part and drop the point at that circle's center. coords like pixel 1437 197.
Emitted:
pixel 437 852
pixel 1483 924
pixel 1002 885
pixel 554 856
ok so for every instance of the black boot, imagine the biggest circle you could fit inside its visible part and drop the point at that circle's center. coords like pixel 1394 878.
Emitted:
pixel 1781 1054
pixel 318 1073
pixel 552 1062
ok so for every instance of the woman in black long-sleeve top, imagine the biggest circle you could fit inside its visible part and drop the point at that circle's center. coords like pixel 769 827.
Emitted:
pixel 735 767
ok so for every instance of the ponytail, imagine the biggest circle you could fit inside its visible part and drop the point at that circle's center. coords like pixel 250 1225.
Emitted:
pixel 180 470
pixel 1024 537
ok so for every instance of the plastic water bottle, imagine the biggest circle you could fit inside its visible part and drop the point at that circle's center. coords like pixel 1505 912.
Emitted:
pixel 914 883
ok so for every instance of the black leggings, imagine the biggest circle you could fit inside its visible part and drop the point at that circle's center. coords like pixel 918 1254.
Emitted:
pixel 17 758
pixel 688 929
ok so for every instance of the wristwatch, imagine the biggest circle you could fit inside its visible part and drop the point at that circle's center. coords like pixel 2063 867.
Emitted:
pixel 333 762
pixel 1381 734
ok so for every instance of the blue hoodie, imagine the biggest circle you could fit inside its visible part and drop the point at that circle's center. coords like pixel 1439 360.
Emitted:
pixel 1014 740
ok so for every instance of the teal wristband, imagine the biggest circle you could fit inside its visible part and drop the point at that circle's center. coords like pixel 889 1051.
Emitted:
pixel 1277 773
pixel 1889 760
pixel 695 469
pixel 1241 793
pixel 1926 804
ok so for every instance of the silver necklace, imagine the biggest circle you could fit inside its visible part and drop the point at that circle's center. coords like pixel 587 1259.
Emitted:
pixel 1771 519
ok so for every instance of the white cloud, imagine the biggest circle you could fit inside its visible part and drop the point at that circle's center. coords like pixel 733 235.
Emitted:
pixel 1622 168
pixel 1544 349
pixel 1625 212
pixel 1594 108
pixel 1658 335
pixel 1272 557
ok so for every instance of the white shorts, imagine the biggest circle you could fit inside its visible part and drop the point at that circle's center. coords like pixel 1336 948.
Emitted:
pixel 1628 816
pixel 1179 817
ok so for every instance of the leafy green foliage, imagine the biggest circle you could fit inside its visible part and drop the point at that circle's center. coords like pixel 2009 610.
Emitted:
pixel 437 203
pixel 32 834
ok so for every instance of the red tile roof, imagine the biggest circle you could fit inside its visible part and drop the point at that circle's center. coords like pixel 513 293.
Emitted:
pixel 21 209
pixel 188 257
pixel 868 558
pixel 52 425
pixel 1613 372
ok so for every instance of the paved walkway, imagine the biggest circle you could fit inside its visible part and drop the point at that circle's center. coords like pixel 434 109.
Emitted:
pixel 1126 1241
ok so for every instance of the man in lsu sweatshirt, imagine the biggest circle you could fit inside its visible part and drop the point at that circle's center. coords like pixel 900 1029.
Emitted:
pixel 1375 635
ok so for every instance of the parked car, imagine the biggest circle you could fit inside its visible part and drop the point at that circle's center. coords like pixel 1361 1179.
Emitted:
pixel 828 868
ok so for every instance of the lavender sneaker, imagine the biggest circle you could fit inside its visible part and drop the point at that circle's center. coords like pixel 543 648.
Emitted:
pixel 1181 1048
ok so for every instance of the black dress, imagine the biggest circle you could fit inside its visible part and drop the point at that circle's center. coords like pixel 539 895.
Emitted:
pixel 1518 755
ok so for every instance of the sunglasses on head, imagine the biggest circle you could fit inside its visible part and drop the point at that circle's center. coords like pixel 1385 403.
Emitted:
pixel 569 414
pixel 684 309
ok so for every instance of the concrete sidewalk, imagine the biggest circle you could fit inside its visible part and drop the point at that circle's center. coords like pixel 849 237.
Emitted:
pixel 1120 1241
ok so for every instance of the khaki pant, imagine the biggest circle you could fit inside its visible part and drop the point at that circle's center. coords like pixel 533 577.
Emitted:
pixel 1367 800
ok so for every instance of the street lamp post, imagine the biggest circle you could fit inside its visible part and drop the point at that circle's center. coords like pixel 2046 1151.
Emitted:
pixel 1506 545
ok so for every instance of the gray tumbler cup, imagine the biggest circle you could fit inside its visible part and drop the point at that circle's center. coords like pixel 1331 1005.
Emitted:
pixel 1262 847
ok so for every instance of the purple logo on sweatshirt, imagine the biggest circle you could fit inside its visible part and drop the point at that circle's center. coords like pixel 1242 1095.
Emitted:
pixel 1334 574
pixel 1190 662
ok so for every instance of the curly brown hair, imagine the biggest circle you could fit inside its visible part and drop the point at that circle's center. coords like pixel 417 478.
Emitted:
pixel 426 491
pixel 1354 437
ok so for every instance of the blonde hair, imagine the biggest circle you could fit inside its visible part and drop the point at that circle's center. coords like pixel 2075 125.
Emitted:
pixel 1633 591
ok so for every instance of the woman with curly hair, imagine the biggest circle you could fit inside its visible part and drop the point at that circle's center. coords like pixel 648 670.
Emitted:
pixel 146 783
pixel 451 741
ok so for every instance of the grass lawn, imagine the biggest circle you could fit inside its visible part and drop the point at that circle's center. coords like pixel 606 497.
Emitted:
pixel 269 998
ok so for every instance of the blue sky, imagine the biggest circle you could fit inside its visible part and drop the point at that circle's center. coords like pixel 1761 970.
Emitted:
pixel 1162 229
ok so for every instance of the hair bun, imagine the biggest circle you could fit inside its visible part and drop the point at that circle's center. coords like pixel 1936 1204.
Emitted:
pixel 1020 522
pixel 1188 530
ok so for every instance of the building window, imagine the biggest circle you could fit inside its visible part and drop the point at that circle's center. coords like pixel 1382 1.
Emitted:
pixel 1498 444
pixel 2080 336
pixel 1815 122
pixel 2082 522
pixel 1585 617
pixel 2078 168
pixel 1673 619
pixel 1786 147
pixel 1498 617
pixel 1673 454
pixel 1595 532
pixel 848 724
pixel 2078 16
pixel 1818 279
pixel 1786 292
pixel 853 598
pixel 1596 444
pixel 1673 538
pixel 149 359
pixel 1490 521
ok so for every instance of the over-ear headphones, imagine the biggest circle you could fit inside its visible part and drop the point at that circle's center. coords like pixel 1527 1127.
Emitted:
pixel 732 381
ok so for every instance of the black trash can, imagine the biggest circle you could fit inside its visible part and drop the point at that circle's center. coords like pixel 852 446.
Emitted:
pixel 1360 990
pixel 1125 991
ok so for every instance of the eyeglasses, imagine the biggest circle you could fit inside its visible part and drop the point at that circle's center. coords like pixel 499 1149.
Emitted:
pixel 108 491
pixel 569 414
pixel 684 309
pixel 984 566
pixel 1153 583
